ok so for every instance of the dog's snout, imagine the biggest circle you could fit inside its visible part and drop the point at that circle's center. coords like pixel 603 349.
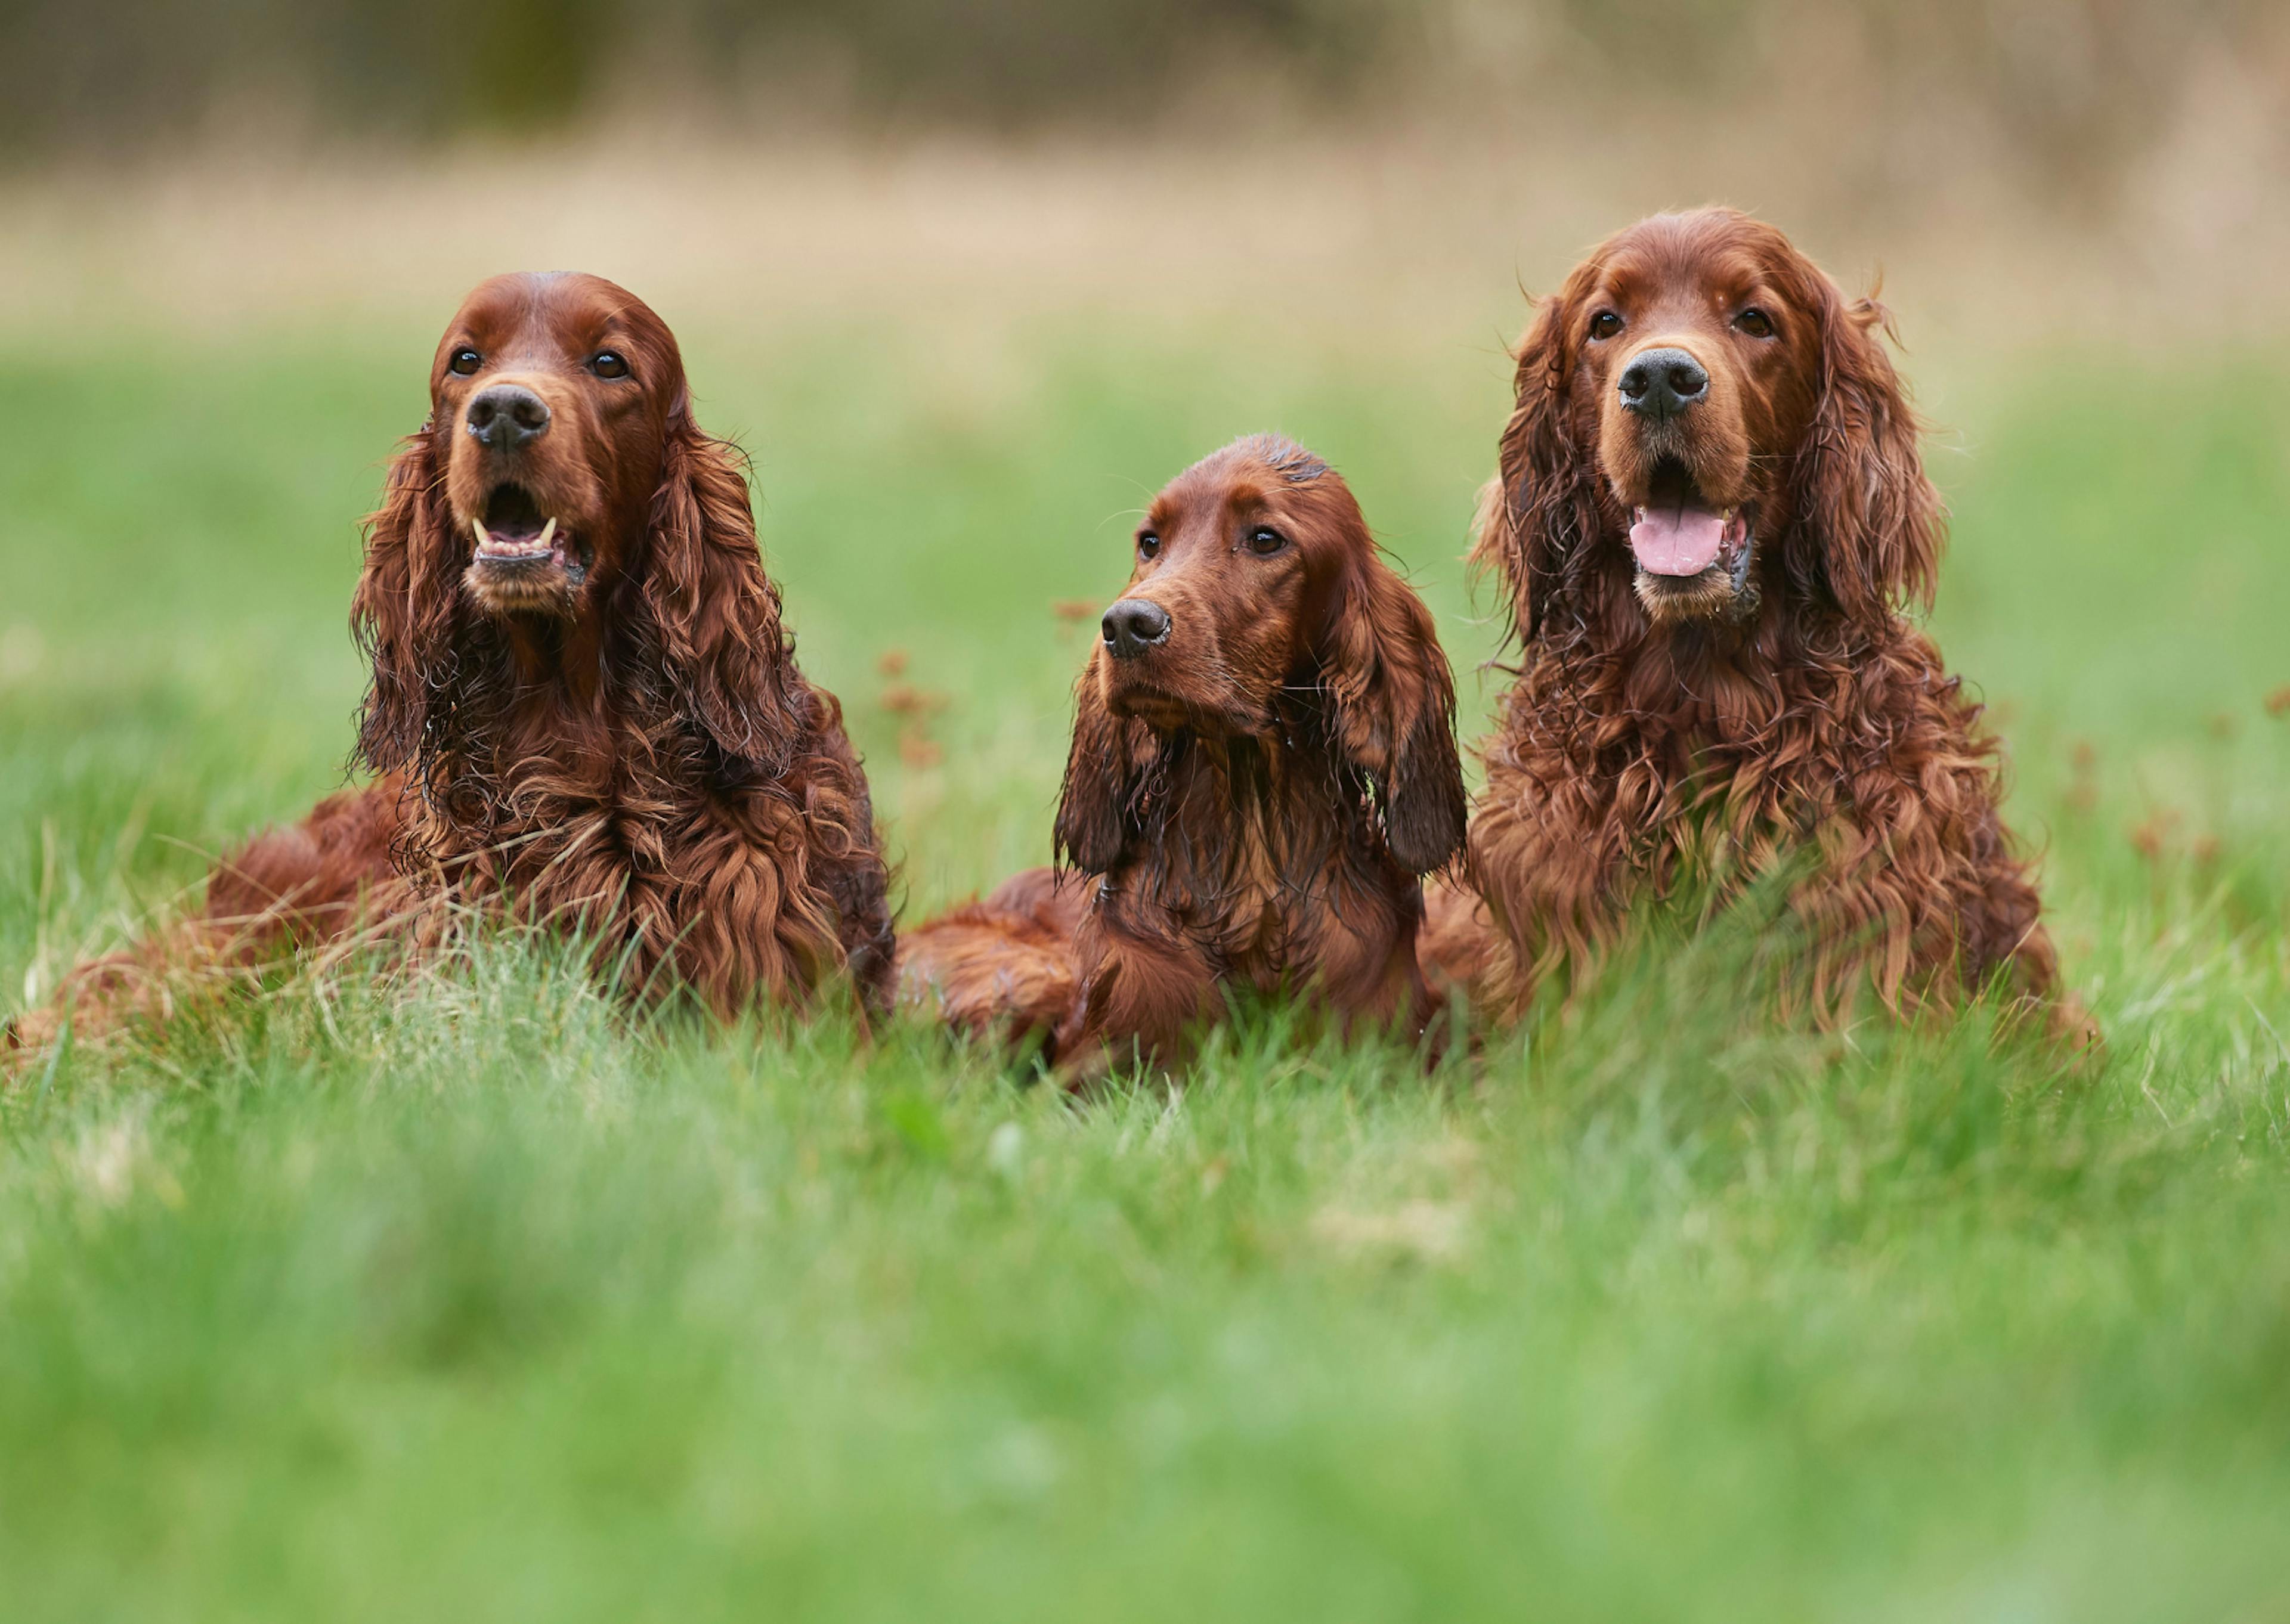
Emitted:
pixel 507 416
pixel 1134 625
pixel 1662 383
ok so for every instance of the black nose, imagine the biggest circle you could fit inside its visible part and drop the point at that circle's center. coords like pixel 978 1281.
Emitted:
pixel 506 416
pixel 1662 383
pixel 1134 625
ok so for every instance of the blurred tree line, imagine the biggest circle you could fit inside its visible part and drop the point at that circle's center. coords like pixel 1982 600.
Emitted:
pixel 2067 84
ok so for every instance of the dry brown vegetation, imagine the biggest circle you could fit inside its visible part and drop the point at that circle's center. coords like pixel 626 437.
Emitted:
pixel 2024 170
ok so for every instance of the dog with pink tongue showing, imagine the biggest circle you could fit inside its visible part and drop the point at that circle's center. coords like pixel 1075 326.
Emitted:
pixel 1690 533
pixel 1715 525
pixel 1684 541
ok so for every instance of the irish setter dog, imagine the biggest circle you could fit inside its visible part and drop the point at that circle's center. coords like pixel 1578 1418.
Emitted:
pixel 1710 514
pixel 1263 766
pixel 583 701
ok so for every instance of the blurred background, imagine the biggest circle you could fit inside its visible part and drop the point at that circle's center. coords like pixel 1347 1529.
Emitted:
pixel 2077 103
pixel 969 281
pixel 2058 149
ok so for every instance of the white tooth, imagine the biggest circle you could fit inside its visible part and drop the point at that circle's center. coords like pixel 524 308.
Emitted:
pixel 483 540
pixel 546 531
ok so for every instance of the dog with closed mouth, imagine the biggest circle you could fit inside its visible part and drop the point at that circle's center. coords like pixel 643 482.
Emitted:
pixel 1262 768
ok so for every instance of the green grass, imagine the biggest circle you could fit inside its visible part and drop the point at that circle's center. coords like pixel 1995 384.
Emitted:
pixel 469 1296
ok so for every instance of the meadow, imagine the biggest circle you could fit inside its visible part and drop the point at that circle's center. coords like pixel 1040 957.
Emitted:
pixel 466 1294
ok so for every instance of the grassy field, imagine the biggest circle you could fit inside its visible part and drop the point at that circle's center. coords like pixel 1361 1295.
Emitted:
pixel 468 1298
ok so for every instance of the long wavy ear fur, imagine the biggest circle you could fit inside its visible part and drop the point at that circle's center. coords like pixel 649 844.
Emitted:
pixel 716 614
pixel 402 614
pixel 1396 714
pixel 1869 521
pixel 1093 811
pixel 1541 512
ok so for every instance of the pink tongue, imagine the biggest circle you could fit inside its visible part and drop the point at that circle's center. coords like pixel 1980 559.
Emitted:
pixel 1674 541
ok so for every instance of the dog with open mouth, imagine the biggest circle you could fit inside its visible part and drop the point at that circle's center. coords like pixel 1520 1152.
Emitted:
pixel 584 705
pixel 1263 767
pixel 1711 513
pixel 581 670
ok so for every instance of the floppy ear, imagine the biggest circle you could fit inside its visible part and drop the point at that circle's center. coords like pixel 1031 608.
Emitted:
pixel 716 612
pixel 1539 513
pixel 1869 521
pixel 402 614
pixel 1093 818
pixel 1396 714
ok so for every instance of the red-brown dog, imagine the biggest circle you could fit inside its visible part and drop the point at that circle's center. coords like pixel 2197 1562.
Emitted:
pixel 1710 512
pixel 584 705
pixel 1263 766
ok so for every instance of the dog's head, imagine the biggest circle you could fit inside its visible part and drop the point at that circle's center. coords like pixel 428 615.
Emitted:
pixel 1257 591
pixel 1702 413
pixel 561 497
pixel 555 397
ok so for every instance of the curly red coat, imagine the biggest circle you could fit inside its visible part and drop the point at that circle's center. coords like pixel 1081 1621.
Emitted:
pixel 1710 510
pixel 584 707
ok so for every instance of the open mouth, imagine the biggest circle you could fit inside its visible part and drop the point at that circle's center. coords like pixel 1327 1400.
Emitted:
pixel 1678 537
pixel 515 537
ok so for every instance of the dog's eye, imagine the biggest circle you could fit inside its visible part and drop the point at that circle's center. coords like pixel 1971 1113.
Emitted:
pixel 1264 541
pixel 609 364
pixel 1148 545
pixel 465 363
pixel 1605 325
pixel 1756 322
